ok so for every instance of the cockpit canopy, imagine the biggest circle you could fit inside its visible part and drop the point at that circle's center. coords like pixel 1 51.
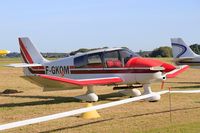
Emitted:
pixel 106 58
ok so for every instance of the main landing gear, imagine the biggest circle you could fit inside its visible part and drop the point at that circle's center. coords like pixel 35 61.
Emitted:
pixel 128 91
pixel 147 90
pixel 90 95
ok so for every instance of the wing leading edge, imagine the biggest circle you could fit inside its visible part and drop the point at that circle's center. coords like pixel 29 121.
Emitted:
pixel 83 82
pixel 177 71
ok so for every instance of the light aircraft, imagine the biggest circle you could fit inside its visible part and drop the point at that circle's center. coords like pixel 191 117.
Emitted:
pixel 119 67
pixel 4 52
pixel 183 54
pixel 115 66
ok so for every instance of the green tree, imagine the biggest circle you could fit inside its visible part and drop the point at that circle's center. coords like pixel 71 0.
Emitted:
pixel 162 52
pixel 195 48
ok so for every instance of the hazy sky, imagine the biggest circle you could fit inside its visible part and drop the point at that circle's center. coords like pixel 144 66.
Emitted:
pixel 65 25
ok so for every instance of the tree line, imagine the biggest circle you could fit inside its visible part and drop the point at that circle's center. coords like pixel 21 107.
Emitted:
pixel 163 51
pixel 166 51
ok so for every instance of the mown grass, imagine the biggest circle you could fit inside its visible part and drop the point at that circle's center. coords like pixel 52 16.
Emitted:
pixel 129 118
pixel 182 128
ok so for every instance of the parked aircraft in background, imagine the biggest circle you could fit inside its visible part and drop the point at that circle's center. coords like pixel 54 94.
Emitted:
pixel 183 54
pixel 4 52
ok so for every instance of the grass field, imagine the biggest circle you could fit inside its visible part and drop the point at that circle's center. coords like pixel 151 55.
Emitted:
pixel 129 118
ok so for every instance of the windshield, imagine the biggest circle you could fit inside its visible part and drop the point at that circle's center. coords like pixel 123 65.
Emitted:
pixel 126 54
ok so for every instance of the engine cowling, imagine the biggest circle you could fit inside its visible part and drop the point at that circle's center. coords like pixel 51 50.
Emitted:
pixel 147 62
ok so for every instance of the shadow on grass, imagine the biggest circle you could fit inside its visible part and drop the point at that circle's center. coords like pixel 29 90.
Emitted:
pixel 196 86
pixel 160 112
pixel 50 100
pixel 181 82
pixel 137 115
pixel 76 126
pixel 110 96
pixel 187 87
pixel 53 100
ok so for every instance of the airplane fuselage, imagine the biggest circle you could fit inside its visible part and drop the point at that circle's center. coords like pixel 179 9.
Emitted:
pixel 80 67
pixel 193 62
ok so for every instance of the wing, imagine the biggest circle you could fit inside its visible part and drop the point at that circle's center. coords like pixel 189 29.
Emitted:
pixel 83 82
pixel 176 71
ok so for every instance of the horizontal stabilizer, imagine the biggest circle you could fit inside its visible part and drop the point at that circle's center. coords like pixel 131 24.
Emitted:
pixel 23 65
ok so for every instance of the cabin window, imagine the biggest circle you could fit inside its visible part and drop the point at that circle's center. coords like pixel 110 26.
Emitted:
pixel 80 61
pixel 112 59
pixel 94 60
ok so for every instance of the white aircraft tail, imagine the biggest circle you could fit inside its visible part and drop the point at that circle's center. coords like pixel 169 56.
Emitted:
pixel 30 55
pixel 180 49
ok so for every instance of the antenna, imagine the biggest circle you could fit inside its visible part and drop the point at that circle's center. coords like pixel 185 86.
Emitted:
pixel 170 105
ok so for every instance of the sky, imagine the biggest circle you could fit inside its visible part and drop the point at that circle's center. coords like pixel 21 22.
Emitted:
pixel 67 25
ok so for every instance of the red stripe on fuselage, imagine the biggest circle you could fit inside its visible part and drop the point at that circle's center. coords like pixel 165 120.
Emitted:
pixel 111 71
pixel 41 70
pixel 33 70
pixel 36 72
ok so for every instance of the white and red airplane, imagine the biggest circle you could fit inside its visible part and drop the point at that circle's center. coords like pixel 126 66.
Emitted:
pixel 119 67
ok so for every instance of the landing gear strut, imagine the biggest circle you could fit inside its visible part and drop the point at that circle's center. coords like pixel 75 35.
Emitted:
pixel 90 95
pixel 147 90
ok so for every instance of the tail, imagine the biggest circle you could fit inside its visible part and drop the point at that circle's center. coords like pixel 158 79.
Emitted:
pixel 30 55
pixel 180 49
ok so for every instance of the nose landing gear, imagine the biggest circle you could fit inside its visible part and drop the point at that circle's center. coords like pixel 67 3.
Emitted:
pixel 90 95
pixel 147 90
